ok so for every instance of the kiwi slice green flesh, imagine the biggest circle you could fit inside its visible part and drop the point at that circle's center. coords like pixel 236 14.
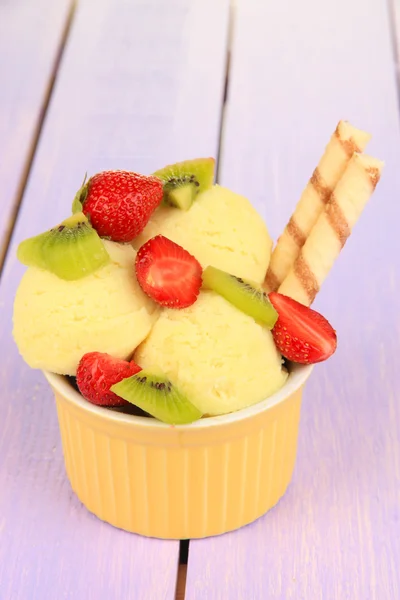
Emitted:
pixel 71 250
pixel 155 394
pixel 244 294
pixel 185 180
pixel 80 196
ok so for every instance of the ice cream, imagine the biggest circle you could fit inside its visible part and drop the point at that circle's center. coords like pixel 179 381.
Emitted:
pixel 57 321
pixel 221 358
pixel 221 229
pixel 176 321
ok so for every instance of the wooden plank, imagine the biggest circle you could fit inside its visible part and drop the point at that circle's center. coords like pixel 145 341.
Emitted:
pixel 31 37
pixel 298 67
pixel 140 85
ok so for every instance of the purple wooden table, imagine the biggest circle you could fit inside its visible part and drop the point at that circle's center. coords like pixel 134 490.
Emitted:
pixel 141 83
pixel 31 38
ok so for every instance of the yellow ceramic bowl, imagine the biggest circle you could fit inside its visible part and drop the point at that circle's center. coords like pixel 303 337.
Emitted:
pixel 191 481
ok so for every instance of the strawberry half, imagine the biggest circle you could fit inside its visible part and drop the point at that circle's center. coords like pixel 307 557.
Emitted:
pixel 119 204
pixel 301 334
pixel 97 372
pixel 168 273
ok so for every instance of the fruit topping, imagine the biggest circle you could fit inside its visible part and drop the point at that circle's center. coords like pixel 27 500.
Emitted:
pixel 245 295
pixel 301 334
pixel 168 273
pixel 184 180
pixel 119 204
pixel 97 372
pixel 71 250
pixel 155 394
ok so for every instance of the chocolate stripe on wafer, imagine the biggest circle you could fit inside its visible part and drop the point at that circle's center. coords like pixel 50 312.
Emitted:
pixel 334 225
pixel 345 140
pixel 306 277
pixel 294 230
pixel 271 281
pixel 337 220
pixel 348 145
pixel 374 175
pixel 324 192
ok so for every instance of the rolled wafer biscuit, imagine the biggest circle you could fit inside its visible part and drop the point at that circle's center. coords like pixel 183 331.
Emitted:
pixel 344 142
pixel 333 227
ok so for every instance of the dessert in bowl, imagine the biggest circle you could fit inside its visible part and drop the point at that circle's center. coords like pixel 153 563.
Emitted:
pixel 177 344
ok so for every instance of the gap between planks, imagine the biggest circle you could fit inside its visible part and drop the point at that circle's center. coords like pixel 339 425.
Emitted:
pixel 228 62
pixel 181 583
pixel 36 135
pixel 393 10
pixel 182 569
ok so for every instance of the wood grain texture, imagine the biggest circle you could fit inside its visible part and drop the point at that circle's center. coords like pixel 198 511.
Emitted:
pixel 144 95
pixel 297 68
pixel 31 35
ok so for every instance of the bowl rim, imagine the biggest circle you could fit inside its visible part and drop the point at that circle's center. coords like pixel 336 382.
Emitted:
pixel 298 375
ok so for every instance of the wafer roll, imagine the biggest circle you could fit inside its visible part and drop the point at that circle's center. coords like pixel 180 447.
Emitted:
pixel 333 227
pixel 344 142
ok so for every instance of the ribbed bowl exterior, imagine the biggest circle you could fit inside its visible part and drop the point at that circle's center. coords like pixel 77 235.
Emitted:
pixel 178 483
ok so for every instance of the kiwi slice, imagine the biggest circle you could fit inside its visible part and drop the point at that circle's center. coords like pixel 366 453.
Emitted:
pixel 184 180
pixel 155 394
pixel 71 250
pixel 245 295
pixel 80 196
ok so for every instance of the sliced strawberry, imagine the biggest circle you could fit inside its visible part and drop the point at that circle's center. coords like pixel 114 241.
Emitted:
pixel 168 273
pixel 97 372
pixel 119 203
pixel 301 334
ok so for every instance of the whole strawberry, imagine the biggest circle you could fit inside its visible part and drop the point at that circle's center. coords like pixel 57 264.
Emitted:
pixel 97 372
pixel 119 204
pixel 301 334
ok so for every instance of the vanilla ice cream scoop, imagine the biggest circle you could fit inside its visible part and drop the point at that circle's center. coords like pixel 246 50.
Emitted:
pixel 56 321
pixel 221 229
pixel 219 357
